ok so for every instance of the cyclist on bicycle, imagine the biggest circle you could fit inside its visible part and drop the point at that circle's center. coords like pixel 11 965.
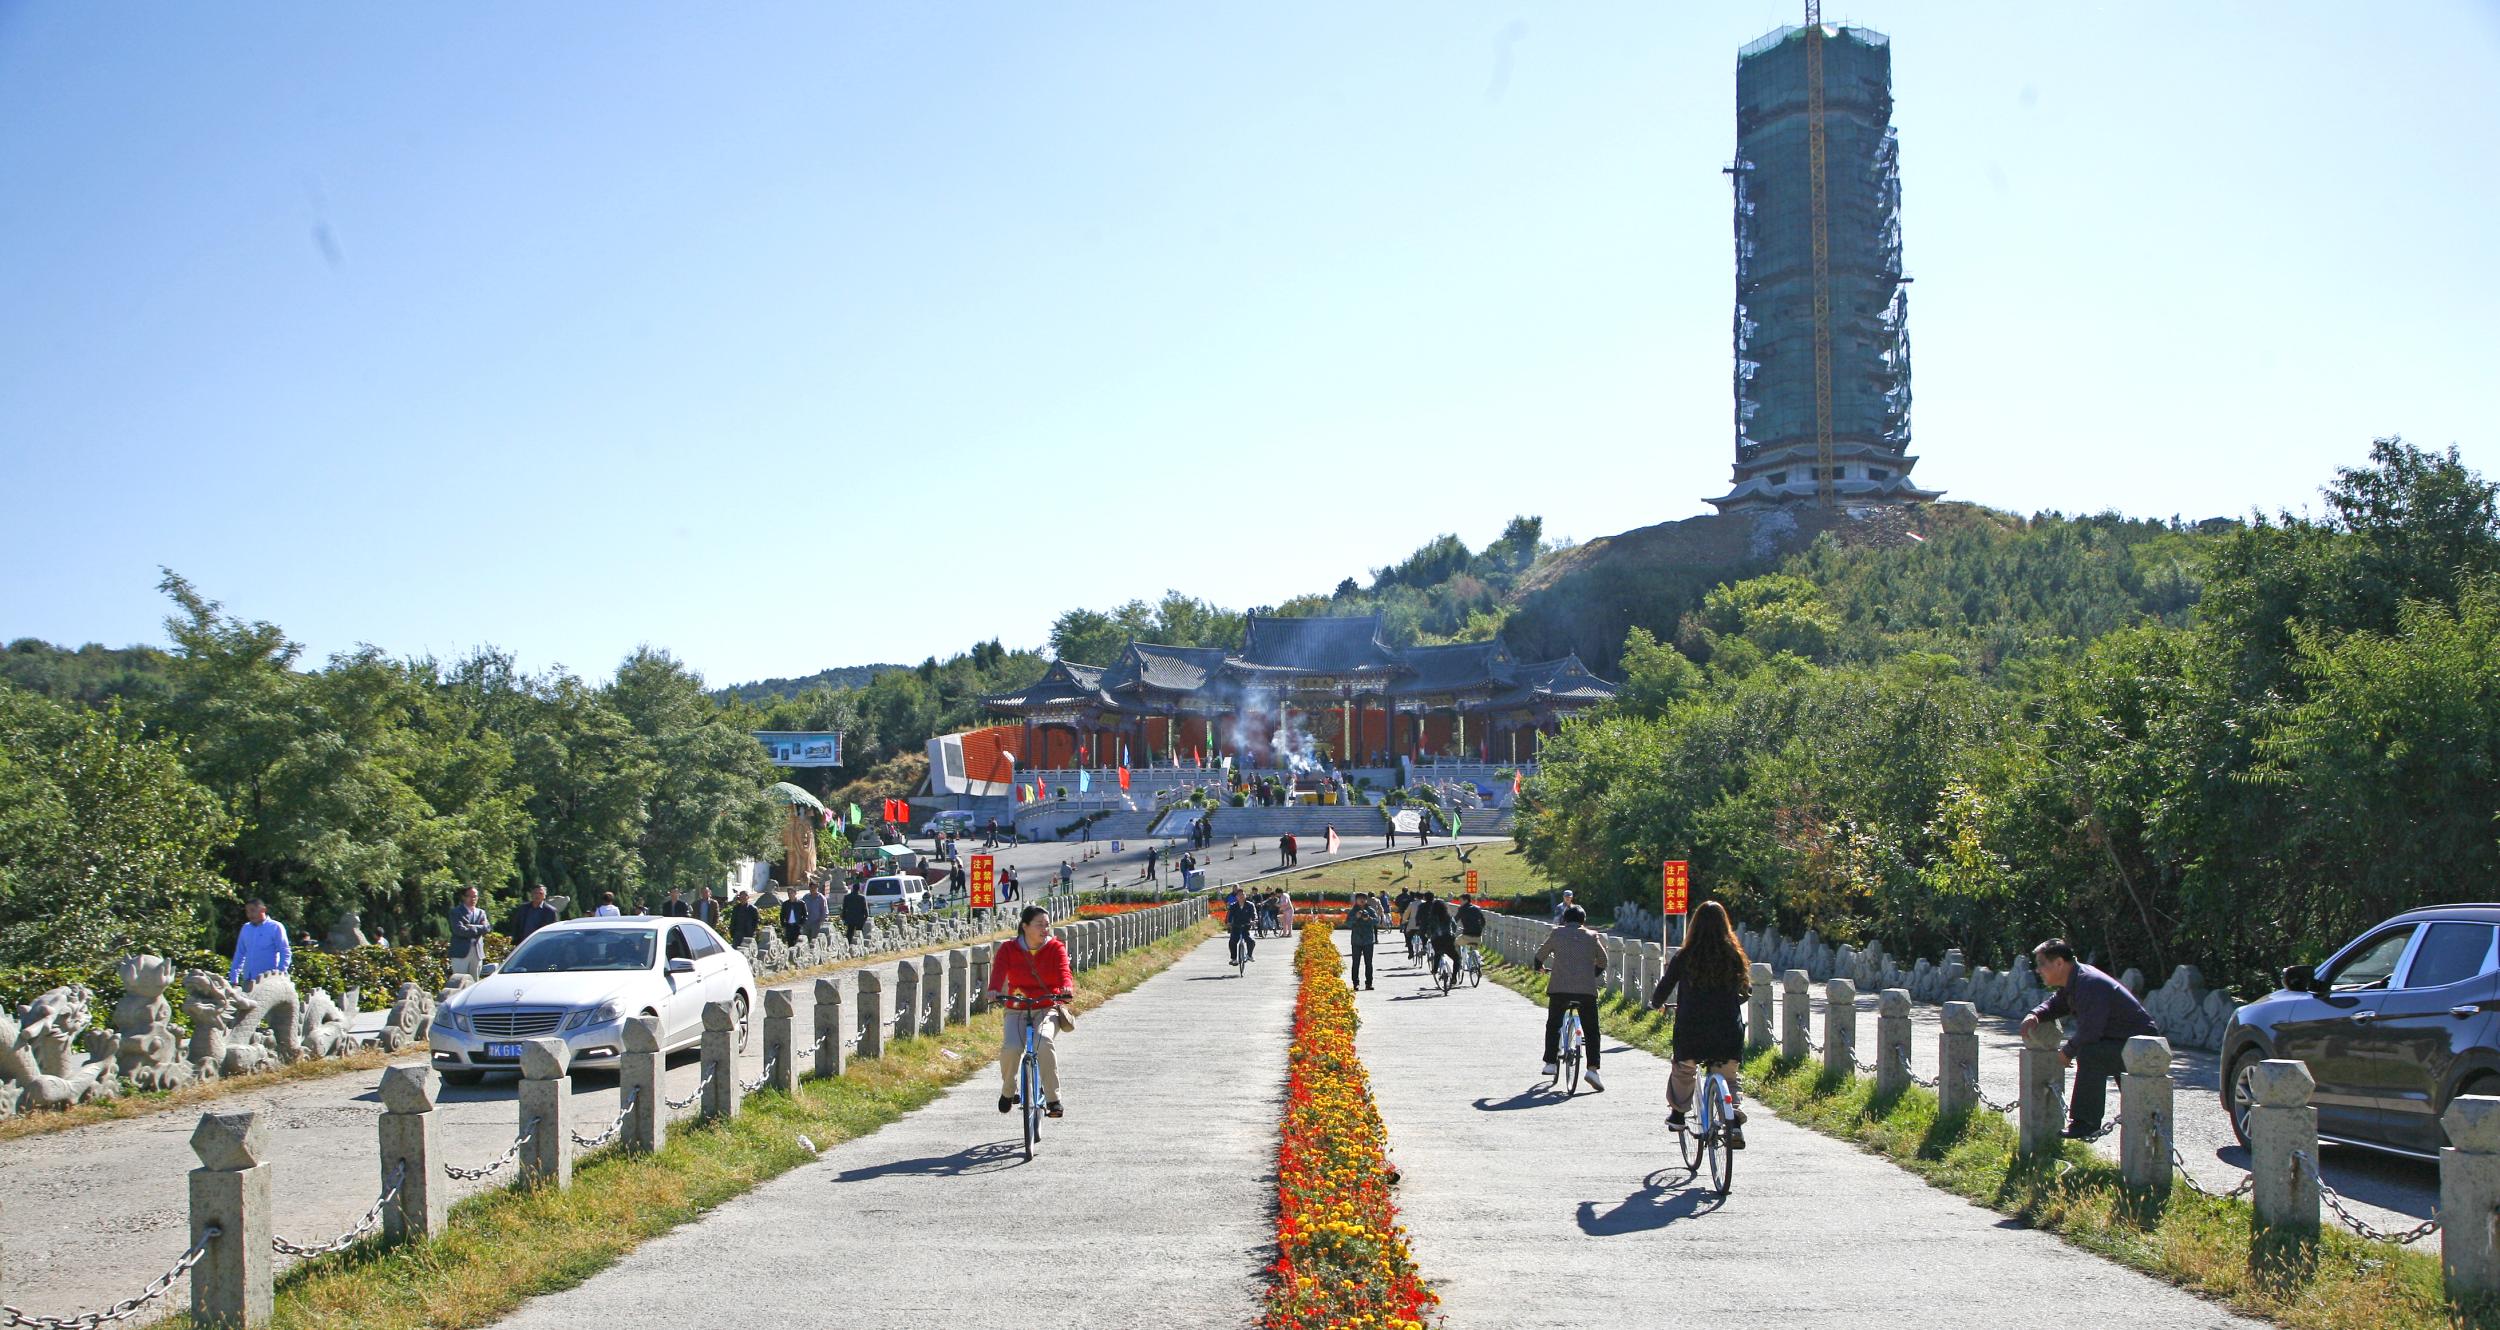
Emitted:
pixel 1240 912
pixel 1579 959
pixel 1440 931
pixel 1031 967
pixel 1470 925
pixel 1714 977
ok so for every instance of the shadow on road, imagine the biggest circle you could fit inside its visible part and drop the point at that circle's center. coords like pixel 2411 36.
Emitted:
pixel 1651 1208
pixel 1539 1095
pixel 988 1158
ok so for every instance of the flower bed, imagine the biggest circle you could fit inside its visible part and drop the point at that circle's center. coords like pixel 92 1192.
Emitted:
pixel 1341 1257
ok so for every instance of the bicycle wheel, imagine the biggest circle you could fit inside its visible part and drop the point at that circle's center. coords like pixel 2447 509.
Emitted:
pixel 1722 1156
pixel 1444 974
pixel 1029 1081
pixel 1688 1144
pixel 1475 970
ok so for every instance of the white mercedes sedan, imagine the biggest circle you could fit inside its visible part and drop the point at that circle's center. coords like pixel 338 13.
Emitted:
pixel 579 981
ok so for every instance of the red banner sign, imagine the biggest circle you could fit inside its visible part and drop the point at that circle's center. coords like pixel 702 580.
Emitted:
pixel 1471 882
pixel 1676 894
pixel 982 881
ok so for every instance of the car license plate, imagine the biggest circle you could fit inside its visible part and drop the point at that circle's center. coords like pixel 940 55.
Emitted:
pixel 503 1051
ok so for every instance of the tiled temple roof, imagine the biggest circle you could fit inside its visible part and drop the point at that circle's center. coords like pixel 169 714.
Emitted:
pixel 1316 646
pixel 1164 668
pixel 1457 668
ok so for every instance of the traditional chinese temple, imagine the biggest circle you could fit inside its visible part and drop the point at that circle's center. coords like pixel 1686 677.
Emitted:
pixel 1300 693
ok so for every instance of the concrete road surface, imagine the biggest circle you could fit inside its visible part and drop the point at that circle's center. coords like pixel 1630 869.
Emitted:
pixel 1529 1209
pixel 1149 1204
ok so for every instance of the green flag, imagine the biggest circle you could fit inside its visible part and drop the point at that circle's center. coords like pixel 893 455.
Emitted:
pixel 855 818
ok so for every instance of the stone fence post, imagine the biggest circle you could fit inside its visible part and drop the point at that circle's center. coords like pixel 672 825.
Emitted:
pixel 781 1040
pixel 2283 1145
pixel 981 977
pixel 2469 1184
pixel 871 1014
pixel 720 1061
pixel 828 1029
pixel 958 980
pixel 1840 1026
pixel 642 1075
pixel 232 1285
pixel 407 1140
pixel 1758 1010
pixel 1957 1059
pixel 906 1000
pixel 932 994
pixel 547 1100
pixel 1795 1015
pixel 2144 1114
pixel 1892 1041
pixel 2038 1125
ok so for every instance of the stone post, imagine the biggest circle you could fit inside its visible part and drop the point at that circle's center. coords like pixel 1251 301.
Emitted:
pixel 642 1074
pixel 1653 964
pixel 720 1061
pixel 981 977
pixel 1840 1026
pixel 1796 1015
pixel 1758 1010
pixel 231 1286
pixel 547 1100
pixel 2144 1108
pixel 2283 1145
pixel 958 985
pixel 828 1029
pixel 1892 1041
pixel 781 1041
pixel 2469 1184
pixel 932 994
pixel 871 1014
pixel 407 1138
pixel 2038 1124
pixel 906 999
pixel 1957 1059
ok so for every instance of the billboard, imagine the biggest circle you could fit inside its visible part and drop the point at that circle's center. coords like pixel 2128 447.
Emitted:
pixel 802 748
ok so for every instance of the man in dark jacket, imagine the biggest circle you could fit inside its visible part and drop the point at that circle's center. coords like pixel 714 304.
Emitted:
pixel 706 910
pixel 854 913
pixel 533 916
pixel 2106 1017
pixel 793 917
pixel 468 933
pixel 743 919
pixel 1362 925
pixel 675 906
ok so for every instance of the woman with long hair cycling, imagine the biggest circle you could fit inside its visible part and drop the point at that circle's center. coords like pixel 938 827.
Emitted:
pixel 1714 976
pixel 1031 967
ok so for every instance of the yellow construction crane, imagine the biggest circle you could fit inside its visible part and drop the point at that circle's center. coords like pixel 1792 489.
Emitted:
pixel 1822 256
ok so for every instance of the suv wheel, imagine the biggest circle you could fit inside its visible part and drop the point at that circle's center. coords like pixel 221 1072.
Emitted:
pixel 2235 1097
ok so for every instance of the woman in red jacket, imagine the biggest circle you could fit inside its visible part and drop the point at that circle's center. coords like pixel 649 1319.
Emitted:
pixel 1031 967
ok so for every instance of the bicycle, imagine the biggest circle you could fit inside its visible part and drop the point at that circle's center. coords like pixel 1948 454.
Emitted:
pixel 1444 972
pixel 1570 1053
pixel 1241 956
pixel 1029 1071
pixel 1475 964
pixel 1703 1136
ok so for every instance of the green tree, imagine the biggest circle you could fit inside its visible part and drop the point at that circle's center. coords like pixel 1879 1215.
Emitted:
pixel 709 806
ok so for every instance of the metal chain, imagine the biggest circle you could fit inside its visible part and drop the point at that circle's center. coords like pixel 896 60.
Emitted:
pixel 688 1101
pixel 1991 1105
pixel 594 1142
pixel 510 1153
pixel 2335 1203
pixel 2248 1182
pixel 372 1219
pixel 1902 1053
pixel 750 1087
pixel 127 1307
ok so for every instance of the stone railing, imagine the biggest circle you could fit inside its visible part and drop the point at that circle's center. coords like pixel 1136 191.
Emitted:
pixel 2283 1185
pixel 2190 1014
pixel 232 1259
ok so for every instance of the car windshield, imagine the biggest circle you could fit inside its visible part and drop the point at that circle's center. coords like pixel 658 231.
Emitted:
pixel 572 949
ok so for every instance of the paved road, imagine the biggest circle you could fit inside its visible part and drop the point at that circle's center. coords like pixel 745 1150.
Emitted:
pixel 2390 1192
pixel 1531 1210
pixel 1148 1206
pixel 1226 863
pixel 92 1213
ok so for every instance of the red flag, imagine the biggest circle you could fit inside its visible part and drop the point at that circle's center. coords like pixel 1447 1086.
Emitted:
pixel 1040 789
pixel 1124 778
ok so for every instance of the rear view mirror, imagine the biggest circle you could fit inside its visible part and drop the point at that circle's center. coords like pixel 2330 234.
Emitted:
pixel 488 972
pixel 680 965
pixel 2301 978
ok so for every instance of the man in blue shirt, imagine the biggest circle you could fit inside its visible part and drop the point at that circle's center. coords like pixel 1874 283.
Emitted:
pixel 261 947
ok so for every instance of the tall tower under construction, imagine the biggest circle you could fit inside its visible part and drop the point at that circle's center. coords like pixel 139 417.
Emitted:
pixel 1822 326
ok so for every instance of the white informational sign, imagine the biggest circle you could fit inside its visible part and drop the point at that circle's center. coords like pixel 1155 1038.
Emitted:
pixel 1408 821
pixel 802 748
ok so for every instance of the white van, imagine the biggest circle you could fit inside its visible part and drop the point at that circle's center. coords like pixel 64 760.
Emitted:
pixel 957 820
pixel 888 895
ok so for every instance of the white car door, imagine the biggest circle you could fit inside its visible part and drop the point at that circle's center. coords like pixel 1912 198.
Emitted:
pixel 684 1016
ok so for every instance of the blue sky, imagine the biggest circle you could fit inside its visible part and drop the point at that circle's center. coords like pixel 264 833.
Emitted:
pixel 793 336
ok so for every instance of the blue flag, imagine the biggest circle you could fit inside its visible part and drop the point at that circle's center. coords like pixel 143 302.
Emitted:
pixel 1084 781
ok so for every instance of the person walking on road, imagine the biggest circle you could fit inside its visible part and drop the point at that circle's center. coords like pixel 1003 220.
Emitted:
pixel 1362 924
pixel 1151 856
pixel 818 906
pixel 706 909
pixel 1578 959
pixel 468 933
pixel 2106 1017
pixel 1706 981
pixel 260 947
pixel 854 914
pixel 1032 966
pixel 744 919
pixel 533 916
pixel 607 907
pixel 793 917
pixel 675 907
pixel 1562 906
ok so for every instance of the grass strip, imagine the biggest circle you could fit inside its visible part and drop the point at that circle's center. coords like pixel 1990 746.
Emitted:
pixel 2210 1247
pixel 503 1247
pixel 1341 1258
pixel 148 1103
